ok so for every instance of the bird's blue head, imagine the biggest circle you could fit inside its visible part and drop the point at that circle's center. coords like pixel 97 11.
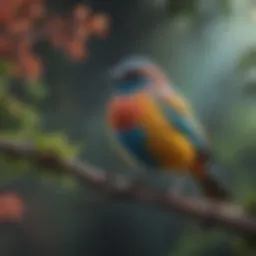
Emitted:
pixel 130 75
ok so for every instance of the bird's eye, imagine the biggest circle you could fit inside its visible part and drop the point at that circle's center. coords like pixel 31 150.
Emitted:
pixel 132 75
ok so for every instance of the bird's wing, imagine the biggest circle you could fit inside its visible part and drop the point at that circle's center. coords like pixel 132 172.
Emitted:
pixel 179 114
pixel 118 147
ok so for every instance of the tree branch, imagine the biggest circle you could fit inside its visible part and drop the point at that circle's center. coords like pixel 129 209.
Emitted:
pixel 230 217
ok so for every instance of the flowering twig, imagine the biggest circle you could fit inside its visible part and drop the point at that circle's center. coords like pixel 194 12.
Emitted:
pixel 231 217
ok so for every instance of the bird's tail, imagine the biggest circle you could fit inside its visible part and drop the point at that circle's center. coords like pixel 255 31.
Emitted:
pixel 210 186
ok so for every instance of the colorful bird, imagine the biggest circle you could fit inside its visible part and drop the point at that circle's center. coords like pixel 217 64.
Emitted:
pixel 156 126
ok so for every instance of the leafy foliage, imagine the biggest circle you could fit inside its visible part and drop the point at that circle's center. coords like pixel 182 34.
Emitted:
pixel 21 121
pixel 190 7
pixel 56 143
pixel 184 7
pixel 25 23
pixel 247 60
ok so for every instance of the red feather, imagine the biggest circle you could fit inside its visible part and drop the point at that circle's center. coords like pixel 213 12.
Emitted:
pixel 124 113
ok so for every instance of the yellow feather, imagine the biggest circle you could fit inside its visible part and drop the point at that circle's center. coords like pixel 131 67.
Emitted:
pixel 182 106
pixel 168 146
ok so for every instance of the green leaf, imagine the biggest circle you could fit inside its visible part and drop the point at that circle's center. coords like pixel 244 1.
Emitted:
pixel 247 60
pixel 36 89
pixel 4 67
pixel 56 143
pixel 184 7
pixel 226 6
pixel 12 169
pixel 3 85
pixel 30 120
pixel 11 135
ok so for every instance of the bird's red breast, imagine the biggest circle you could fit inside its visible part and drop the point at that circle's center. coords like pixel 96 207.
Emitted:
pixel 124 113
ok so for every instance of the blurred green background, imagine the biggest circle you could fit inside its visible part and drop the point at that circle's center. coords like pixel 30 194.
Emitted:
pixel 208 49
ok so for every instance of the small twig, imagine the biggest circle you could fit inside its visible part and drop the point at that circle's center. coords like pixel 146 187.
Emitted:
pixel 227 216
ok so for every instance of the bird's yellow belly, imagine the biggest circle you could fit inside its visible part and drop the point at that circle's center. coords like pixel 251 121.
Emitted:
pixel 170 148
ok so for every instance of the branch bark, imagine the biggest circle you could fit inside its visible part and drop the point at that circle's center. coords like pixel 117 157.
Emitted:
pixel 229 216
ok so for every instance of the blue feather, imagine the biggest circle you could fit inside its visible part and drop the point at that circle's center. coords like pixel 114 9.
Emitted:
pixel 183 125
pixel 129 63
pixel 135 141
